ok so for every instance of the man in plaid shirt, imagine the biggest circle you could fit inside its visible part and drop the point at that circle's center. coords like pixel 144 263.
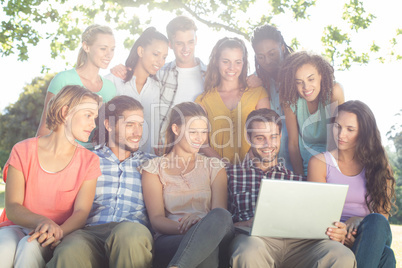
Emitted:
pixel 116 233
pixel 264 133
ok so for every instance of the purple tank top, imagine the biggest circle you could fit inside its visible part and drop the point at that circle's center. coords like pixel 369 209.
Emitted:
pixel 355 203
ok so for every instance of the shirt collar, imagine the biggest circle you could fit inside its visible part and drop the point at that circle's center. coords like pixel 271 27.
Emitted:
pixel 104 150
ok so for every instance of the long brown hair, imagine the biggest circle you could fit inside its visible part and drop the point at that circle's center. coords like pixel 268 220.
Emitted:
pixel 380 182
pixel 212 76
pixel 178 116
pixel 287 76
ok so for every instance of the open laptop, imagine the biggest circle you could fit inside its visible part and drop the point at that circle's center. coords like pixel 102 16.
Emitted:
pixel 294 209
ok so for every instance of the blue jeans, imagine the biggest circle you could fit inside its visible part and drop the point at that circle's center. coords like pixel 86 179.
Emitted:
pixel 373 241
pixel 200 246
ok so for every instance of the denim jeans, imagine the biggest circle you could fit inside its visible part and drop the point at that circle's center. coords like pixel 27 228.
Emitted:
pixel 373 241
pixel 204 245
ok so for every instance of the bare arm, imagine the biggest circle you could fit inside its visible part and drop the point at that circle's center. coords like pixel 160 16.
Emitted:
pixel 317 169
pixel 293 146
pixel 337 98
pixel 263 103
pixel 153 197
pixel 42 129
pixel 219 190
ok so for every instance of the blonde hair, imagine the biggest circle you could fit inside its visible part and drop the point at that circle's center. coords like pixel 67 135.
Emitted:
pixel 89 36
pixel 69 96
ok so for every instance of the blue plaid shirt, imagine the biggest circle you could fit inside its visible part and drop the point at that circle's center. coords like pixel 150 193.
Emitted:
pixel 118 190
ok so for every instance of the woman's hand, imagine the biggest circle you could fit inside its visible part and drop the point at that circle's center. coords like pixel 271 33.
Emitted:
pixel 337 234
pixel 349 241
pixel 120 71
pixel 187 221
pixel 46 232
pixel 352 224
pixel 253 81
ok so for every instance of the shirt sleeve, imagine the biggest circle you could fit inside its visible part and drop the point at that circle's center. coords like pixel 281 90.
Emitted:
pixel 94 170
pixel 15 160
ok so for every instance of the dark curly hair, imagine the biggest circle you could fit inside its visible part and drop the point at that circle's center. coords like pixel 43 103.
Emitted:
pixel 144 40
pixel 380 182
pixel 212 76
pixel 269 32
pixel 288 89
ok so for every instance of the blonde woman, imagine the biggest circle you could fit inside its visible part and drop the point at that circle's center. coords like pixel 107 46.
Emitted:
pixel 50 181
pixel 97 51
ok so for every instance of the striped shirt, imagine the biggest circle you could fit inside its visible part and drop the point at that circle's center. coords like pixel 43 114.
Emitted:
pixel 118 194
pixel 244 184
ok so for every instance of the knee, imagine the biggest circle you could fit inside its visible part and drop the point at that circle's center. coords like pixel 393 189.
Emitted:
pixel 340 255
pixel 376 221
pixel 247 253
pixel 127 232
pixel 222 215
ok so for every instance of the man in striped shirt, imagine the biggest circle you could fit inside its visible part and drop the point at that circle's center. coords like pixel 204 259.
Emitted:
pixel 116 234
pixel 264 134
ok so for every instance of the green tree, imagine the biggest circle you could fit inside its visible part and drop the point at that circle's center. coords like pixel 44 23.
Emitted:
pixel 20 120
pixel 23 21
pixel 395 157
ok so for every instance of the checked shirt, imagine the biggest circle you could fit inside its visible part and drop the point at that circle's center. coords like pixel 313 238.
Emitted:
pixel 244 184
pixel 118 194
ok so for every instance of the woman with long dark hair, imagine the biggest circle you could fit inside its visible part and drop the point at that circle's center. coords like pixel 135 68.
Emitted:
pixel 146 57
pixel 361 162
pixel 308 95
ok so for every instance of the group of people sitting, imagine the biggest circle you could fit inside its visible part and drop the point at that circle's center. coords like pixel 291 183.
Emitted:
pixel 155 164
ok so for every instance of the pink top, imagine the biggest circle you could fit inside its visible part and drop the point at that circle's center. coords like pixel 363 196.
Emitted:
pixel 355 203
pixel 186 193
pixel 50 194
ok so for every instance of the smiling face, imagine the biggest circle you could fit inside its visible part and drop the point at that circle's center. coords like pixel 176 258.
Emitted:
pixel 346 130
pixel 183 45
pixel 265 139
pixel 191 136
pixel 80 121
pixel 152 57
pixel 126 133
pixel 308 82
pixel 101 52
pixel 269 55
pixel 230 64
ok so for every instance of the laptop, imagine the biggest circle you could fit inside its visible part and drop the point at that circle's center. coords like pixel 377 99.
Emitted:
pixel 294 209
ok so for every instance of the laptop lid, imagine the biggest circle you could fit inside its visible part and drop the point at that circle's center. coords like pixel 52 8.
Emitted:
pixel 294 209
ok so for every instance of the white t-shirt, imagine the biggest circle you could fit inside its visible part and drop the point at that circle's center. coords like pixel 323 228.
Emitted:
pixel 149 98
pixel 190 84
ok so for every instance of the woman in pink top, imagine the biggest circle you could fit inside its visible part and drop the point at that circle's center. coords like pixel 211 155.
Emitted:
pixel 186 195
pixel 360 161
pixel 50 181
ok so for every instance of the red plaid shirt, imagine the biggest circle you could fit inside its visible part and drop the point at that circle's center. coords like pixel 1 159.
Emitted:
pixel 244 184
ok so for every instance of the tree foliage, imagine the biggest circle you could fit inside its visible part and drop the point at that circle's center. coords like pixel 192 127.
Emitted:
pixel 26 22
pixel 20 120
pixel 395 157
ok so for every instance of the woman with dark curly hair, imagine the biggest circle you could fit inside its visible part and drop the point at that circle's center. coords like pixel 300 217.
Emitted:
pixel 360 161
pixel 228 101
pixel 308 95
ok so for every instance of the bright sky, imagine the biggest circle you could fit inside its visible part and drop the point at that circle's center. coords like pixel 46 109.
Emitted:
pixel 378 85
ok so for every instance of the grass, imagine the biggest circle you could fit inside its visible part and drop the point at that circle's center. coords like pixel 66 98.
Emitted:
pixel 396 232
